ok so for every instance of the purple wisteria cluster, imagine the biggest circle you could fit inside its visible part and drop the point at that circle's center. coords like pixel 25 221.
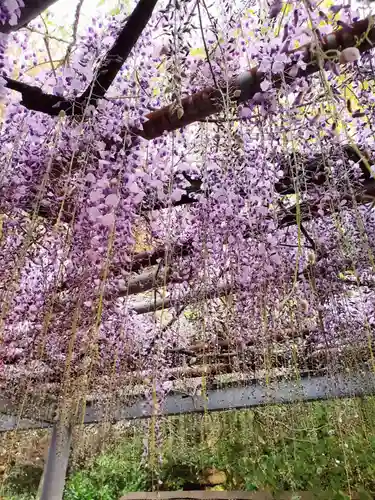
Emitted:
pixel 10 11
pixel 262 215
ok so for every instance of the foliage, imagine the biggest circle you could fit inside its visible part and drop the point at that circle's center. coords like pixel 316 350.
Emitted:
pixel 24 479
pixel 8 495
pixel 304 447
pixel 315 447
pixel 111 475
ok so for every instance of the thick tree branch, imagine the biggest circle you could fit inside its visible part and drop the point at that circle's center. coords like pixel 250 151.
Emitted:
pixel 151 305
pixel 199 106
pixel 119 52
pixel 30 11
pixel 35 99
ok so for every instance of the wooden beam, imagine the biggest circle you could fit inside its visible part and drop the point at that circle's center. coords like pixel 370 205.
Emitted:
pixel 198 495
pixel 232 495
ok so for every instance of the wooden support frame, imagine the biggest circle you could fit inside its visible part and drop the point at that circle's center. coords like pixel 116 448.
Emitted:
pixel 53 479
pixel 248 394
pixel 229 495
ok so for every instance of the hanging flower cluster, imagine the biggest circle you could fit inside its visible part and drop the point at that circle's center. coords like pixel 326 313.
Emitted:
pixel 10 11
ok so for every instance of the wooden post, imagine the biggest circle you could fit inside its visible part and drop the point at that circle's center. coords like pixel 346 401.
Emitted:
pixel 53 480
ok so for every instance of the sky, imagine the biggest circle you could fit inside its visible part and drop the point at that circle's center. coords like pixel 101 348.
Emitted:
pixel 65 9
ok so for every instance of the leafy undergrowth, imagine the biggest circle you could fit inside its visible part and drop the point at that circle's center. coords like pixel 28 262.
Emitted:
pixel 111 475
pixel 316 446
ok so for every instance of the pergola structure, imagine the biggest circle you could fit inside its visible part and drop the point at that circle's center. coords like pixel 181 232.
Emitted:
pixel 236 381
